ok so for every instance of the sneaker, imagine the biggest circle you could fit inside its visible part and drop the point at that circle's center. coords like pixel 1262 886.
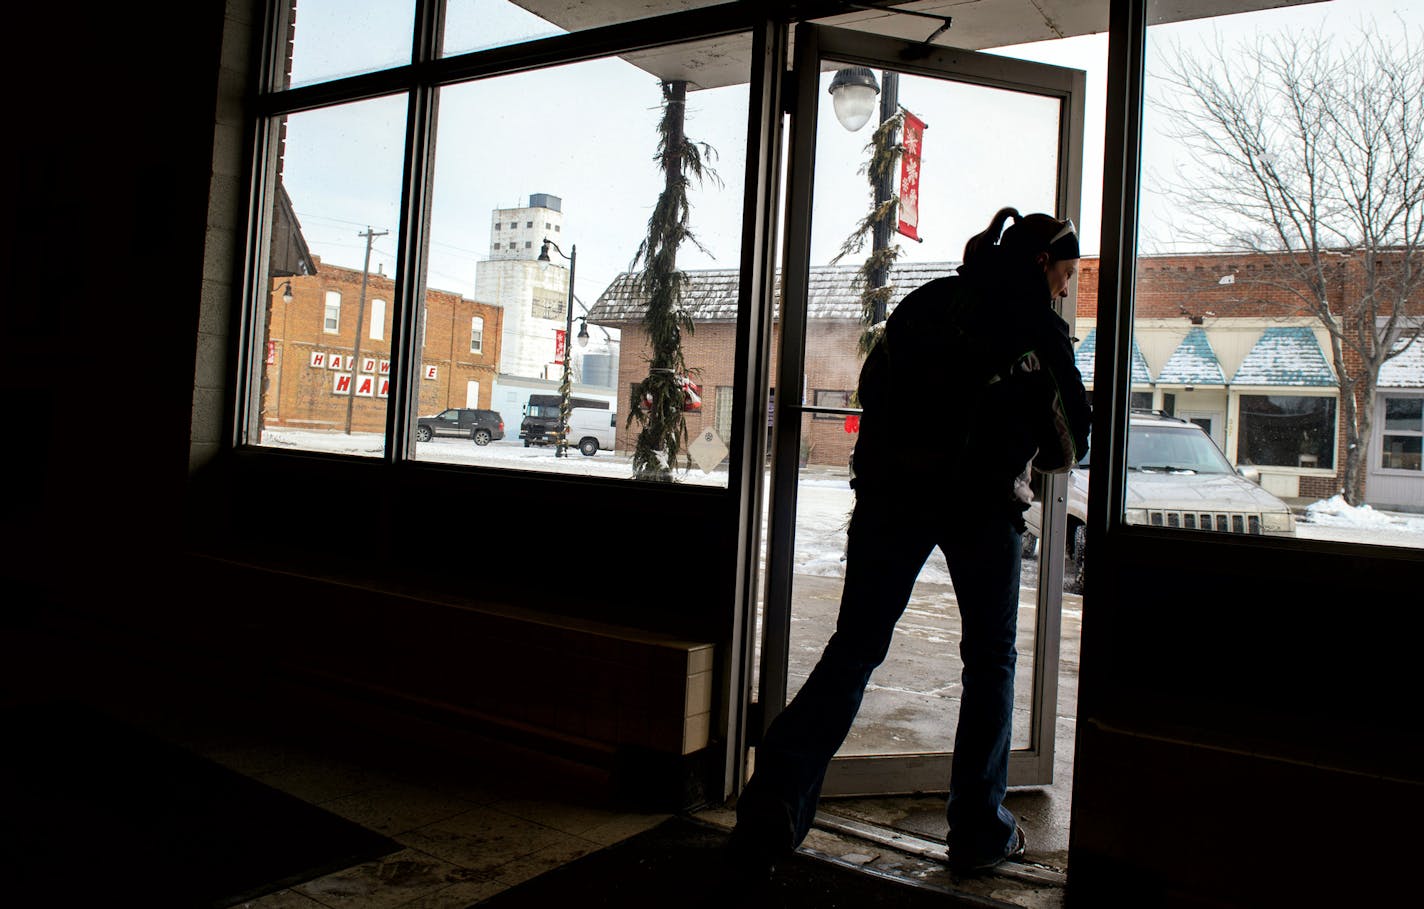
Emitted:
pixel 970 867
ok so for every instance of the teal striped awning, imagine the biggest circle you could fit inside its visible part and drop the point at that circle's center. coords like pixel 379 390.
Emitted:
pixel 1086 356
pixel 1193 363
pixel 1287 356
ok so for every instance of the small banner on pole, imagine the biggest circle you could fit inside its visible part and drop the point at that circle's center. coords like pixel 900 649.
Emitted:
pixel 913 134
pixel 559 346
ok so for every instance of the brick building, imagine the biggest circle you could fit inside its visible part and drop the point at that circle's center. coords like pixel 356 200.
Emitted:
pixel 832 365
pixel 1220 340
pixel 312 367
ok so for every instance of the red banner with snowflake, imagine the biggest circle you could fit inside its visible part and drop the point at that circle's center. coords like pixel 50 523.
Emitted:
pixel 913 133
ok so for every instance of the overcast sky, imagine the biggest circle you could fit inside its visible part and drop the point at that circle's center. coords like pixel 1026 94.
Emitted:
pixel 587 133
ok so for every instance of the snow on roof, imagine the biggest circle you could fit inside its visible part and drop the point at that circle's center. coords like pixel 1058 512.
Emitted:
pixel 1285 356
pixel 1086 357
pixel 1193 362
pixel 1404 370
pixel 711 294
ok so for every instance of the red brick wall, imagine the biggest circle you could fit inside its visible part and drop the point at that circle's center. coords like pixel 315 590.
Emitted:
pixel 831 363
pixel 298 395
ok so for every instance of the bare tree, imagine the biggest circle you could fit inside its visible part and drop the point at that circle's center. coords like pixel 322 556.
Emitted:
pixel 1313 154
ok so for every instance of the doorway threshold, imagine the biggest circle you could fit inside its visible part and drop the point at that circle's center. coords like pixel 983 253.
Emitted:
pixel 902 841
pixel 909 858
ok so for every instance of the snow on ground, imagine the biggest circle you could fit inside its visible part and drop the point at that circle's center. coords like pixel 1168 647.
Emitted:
pixel 509 454
pixel 1336 519
pixel 823 502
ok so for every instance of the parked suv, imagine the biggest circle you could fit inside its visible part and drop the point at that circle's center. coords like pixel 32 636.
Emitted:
pixel 483 426
pixel 1176 477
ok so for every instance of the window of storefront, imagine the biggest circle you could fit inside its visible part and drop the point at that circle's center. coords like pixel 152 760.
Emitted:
pixel 723 405
pixel 1232 308
pixel 830 398
pixel 1287 431
pixel 344 155
pixel 1403 438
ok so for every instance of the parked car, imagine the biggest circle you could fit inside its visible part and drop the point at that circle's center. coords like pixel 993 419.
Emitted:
pixel 591 429
pixel 482 426
pixel 540 425
pixel 1176 477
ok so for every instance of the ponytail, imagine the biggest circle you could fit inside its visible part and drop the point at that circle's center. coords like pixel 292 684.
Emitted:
pixel 980 244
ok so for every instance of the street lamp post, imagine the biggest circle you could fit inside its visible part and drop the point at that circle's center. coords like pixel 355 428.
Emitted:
pixel 282 360
pixel 853 92
pixel 566 384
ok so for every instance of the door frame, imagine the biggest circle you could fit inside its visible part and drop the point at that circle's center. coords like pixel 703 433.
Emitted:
pixel 884 774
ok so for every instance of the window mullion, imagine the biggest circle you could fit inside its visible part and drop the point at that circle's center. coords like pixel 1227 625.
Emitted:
pixel 411 249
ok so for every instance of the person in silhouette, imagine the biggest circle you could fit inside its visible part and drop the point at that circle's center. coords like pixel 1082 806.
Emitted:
pixel 970 386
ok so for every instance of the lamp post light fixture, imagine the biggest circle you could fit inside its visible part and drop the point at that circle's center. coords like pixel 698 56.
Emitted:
pixel 566 383
pixel 853 92
pixel 282 361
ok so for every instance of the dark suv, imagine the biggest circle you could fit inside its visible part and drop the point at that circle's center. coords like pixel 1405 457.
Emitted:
pixel 484 426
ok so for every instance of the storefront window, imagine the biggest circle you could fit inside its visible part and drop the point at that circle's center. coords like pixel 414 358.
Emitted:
pixel 1287 431
pixel 568 304
pixel 1403 434
pixel 1262 290
pixel 514 318
pixel 830 398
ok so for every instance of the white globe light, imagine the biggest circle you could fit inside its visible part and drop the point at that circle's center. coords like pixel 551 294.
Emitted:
pixel 854 104
pixel 853 93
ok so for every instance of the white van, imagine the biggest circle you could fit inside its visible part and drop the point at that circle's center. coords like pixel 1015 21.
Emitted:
pixel 591 429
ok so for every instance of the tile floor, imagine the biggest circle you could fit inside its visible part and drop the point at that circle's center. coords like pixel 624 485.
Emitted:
pixel 468 831
pixel 468 839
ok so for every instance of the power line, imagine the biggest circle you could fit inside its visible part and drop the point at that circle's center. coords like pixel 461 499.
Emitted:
pixel 309 216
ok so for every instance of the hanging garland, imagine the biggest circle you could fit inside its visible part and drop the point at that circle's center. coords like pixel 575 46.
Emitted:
pixel 883 151
pixel 658 401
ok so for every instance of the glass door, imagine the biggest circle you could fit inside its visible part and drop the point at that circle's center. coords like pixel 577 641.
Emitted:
pixel 997 131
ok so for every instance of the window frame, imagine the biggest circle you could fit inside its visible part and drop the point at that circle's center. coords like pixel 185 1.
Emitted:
pixel 326 317
pixel 817 402
pixel 1284 391
pixel 377 331
pixel 419 82
pixel 1378 465
pixel 477 335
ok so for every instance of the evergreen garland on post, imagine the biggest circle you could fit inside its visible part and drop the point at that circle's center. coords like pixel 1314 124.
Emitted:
pixel 883 153
pixel 657 401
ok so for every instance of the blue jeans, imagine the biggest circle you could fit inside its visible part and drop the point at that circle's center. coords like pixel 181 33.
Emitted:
pixel 889 541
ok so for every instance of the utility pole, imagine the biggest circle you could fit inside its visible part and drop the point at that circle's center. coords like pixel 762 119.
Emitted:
pixel 360 321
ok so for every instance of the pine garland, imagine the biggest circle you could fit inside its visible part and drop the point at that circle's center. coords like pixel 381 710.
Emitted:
pixel 883 154
pixel 565 404
pixel 657 401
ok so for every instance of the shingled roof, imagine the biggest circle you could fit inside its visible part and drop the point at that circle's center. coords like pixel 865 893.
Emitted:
pixel 1404 370
pixel 712 293
pixel 1285 356
pixel 1192 363
pixel 1087 354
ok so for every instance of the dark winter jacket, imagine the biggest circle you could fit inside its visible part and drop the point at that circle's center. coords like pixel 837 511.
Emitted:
pixel 972 382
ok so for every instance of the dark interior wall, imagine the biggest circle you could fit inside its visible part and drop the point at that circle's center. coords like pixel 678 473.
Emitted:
pixel 1247 728
pixel 110 144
